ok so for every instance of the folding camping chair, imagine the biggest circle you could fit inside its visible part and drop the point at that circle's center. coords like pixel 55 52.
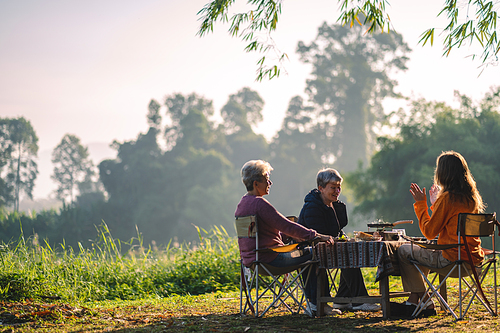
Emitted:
pixel 469 225
pixel 269 286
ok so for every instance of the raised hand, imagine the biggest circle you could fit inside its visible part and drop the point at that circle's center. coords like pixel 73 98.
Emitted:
pixel 417 193
pixel 433 192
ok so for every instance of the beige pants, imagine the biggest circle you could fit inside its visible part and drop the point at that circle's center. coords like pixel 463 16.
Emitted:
pixel 410 276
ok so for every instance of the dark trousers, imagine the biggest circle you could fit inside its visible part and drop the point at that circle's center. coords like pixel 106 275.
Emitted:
pixel 351 284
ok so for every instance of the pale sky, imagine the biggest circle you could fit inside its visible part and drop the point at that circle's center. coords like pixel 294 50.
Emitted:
pixel 91 67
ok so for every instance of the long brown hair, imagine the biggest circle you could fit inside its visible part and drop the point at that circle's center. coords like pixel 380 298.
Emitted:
pixel 453 176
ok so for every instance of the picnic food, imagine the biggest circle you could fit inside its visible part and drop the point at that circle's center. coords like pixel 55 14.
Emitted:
pixel 364 236
pixel 341 238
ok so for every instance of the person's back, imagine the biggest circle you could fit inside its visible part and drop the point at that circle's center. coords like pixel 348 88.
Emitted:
pixel 444 222
pixel 271 225
pixel 454 191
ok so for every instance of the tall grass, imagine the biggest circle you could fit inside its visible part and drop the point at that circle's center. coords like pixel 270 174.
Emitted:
pixel 111 269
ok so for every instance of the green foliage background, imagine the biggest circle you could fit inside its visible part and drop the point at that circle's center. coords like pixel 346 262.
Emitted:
pixel 426 130
pixel 110 269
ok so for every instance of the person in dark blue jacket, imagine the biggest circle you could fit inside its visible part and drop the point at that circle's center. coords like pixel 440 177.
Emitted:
pixel 323 212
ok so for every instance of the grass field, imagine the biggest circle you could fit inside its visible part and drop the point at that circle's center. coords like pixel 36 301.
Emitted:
pixel 178 288
pixel 214 312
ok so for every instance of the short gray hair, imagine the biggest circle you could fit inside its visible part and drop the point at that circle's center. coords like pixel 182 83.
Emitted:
pixel 327 175
pixel 254 170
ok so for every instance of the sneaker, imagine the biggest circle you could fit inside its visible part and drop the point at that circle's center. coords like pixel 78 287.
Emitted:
pixel 427 313
pixel 346 306
pixel 367 307
pixel 329 311
pixel 401 310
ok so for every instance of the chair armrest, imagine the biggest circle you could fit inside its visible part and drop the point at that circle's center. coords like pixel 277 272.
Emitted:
pixel 436 246
pixel 290 247
pixel 430 244
pixel 280 249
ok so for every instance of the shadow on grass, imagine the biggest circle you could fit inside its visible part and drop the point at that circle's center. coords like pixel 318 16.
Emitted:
pixel 216 315
pixel 347 322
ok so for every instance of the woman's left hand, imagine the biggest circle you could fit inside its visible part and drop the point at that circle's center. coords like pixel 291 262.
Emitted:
pixel 433 192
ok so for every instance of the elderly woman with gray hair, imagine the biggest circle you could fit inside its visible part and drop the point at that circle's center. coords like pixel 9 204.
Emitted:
pixel 272 224
pixel 325 213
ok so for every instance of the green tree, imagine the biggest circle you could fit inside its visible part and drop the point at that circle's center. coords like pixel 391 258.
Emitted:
pixel 242 111
pixel 154 116
pixel 165 192
pixel 198 166
pixel 478 24
pixel 6 190
pixel 426 130
pixel 296 156
pixel 349 80
pixel 131 179
pixel 72 167
pixel 179 106
pixel 19 145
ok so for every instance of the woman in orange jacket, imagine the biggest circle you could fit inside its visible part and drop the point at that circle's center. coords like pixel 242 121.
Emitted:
pixel 454 191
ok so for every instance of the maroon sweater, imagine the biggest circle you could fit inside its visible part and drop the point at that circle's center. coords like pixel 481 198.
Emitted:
pixel 271 225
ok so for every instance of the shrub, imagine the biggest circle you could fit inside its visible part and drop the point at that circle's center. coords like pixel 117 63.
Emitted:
pixel 106 271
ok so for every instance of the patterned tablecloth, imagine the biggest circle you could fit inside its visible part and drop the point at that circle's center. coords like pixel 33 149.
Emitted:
pixel 360 254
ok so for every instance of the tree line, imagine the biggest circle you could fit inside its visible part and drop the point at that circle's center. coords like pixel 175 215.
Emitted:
pixel 184 170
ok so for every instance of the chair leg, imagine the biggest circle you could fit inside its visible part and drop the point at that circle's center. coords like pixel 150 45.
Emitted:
pixel 443 291
pixel 423 304
pixel 460 289
pixel 430 286
pixel 241 292
pixel 246 286
pixel 286 290
pixel 257 291
pixel 495 283
pixel 475 291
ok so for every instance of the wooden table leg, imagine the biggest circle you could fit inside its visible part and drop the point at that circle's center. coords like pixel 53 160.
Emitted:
pixel 320 306
pixel 384 292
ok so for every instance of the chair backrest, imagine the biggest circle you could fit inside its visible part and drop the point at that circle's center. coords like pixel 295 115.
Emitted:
pixel 476 225
pixel 246 226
